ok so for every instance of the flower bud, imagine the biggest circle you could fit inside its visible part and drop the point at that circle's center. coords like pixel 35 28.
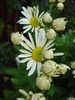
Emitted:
pixel 42 82
pixel 46 18
pixel 62 1
pixel 73 72
pixel 16 38
pixel 63 68
pixel 59 24
pixel 74 41
pixel 71 98
pixel 48 54
pixel 49 68
pixel 50 34
pixel 72 65
pixel 51 1
pixel 60 6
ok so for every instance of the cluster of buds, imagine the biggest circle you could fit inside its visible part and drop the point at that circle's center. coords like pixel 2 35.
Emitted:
pixel 31 95
pixel 52 69
pixel 59 5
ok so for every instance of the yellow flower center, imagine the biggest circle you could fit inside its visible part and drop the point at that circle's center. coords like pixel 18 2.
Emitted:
pixel 37 54
pixel 34 22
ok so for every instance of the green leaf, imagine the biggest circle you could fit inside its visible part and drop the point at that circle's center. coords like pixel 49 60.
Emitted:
pixel 52 90
pixel 15 81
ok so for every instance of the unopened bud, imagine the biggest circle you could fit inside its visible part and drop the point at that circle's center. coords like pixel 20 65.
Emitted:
pixel 50 34
pixel 48 54
pixel 47 18
pixel 16 38
pixel 60 6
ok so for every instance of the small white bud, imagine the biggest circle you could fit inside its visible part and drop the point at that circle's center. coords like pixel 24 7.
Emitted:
pixel 63 68
pixel 73 72
pixel 60 6
pixel 72 65
pixel 59 24
pixel 48 54
pixel 16 38
pixel 47 18
pixel 50 34
pixel 42 82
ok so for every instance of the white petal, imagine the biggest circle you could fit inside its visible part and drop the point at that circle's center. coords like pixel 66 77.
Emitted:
pixel 58 54
pixel 37 12
pixel 46 48
pixel 25 46
pixel 41 14
pixel 26 13
pixel 24 21
pixel 27 41
pixel 52 49
pixel 24 51
pixel 31 39
pixel 32 29
pixel 32 69
pixel 30 13
pixel 35 97
pixel 27 29
pixel 30 64
pixel 27 26
pixel 39 65
pixel 24 60
pixel 36 37
pixel 23 92
pixel 49 43
pixel 24 55
pixel 21 99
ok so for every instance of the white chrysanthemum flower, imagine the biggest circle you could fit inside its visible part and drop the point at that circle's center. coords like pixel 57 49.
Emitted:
pixel 31 19
pixel 34 53
pixel 31 95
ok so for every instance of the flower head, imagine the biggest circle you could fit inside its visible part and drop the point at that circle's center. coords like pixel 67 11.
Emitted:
pixel 31 95
pixel 32 18
pixel 33 52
